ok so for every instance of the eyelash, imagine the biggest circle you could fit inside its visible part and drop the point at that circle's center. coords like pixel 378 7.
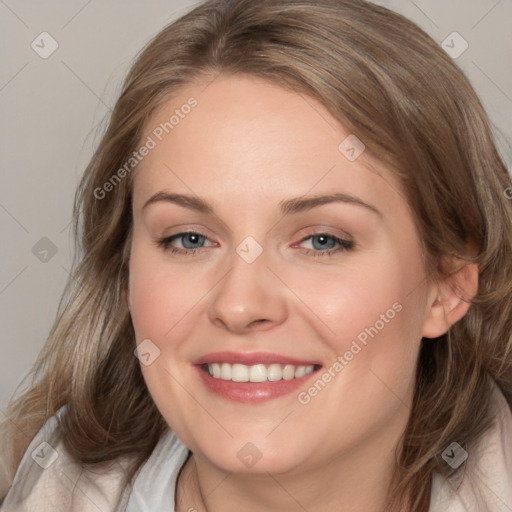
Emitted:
pixel 343 245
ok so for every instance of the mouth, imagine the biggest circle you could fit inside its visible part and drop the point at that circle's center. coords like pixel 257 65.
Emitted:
pixel 254 377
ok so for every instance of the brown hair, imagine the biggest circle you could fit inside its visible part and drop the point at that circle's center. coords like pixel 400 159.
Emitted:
pixel 390 84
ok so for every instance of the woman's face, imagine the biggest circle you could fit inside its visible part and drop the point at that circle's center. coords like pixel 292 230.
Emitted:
pixel 320 304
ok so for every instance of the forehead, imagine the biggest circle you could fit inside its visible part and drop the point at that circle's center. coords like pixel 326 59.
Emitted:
pixel 243 136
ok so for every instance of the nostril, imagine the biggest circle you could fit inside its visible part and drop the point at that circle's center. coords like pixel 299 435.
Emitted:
pixel 259 321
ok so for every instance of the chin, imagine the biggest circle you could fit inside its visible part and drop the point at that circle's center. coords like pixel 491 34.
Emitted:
pixel 253 457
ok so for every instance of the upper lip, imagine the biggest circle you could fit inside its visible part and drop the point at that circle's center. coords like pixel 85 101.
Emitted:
pixel 252 358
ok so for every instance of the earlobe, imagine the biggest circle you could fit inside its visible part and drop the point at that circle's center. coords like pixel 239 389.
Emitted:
pixel 449 300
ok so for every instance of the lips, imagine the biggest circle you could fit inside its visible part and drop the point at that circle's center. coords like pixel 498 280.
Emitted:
pixel 253 377
pixel 252 358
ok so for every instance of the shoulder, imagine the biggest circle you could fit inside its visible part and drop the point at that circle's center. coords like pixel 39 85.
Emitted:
pixel 487 482
pixel 48 478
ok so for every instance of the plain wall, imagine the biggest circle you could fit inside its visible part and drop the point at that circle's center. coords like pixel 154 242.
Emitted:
pixel 52 111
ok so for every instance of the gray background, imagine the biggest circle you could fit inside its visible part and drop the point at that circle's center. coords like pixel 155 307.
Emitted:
pixel 52 111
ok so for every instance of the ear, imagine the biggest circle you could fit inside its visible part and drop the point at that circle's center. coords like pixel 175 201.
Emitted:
pixel 449 298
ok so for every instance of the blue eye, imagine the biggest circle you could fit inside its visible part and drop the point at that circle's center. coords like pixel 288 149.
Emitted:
pixel 327 244
pixel 324 244
pixel 189 240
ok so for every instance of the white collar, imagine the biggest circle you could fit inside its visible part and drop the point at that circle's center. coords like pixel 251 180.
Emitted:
pixel 155 484
pixel 487 482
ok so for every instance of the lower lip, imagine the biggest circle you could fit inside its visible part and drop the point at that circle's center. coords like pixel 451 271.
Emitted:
pixel 251 391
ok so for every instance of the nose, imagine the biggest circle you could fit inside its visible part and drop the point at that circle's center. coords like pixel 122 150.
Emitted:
pixel 248 298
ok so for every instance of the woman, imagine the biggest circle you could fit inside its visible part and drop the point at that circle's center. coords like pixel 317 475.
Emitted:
pixel 339 339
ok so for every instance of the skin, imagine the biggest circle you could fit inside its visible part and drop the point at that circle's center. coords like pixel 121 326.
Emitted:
pixel 248 145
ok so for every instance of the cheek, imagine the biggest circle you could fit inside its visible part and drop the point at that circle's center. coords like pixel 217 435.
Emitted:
pixel 365 297
pixel 162 295
pixel 163 298
pixel 369 315
pixel 377 331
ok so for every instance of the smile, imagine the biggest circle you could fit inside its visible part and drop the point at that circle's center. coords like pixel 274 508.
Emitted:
pixel 255 376
pixel 257 372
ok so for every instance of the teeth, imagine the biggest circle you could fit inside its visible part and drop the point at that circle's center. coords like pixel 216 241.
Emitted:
pixel 274 372
pixel 215 370
pixel 258 372
pixel 240 373
pixel 289 372
pixel 300 371
pixel 225 371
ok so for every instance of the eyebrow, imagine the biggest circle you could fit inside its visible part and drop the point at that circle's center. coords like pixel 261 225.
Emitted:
pixel 288 206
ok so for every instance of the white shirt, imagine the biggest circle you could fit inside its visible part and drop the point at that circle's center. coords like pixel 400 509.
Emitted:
pixel 65 486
